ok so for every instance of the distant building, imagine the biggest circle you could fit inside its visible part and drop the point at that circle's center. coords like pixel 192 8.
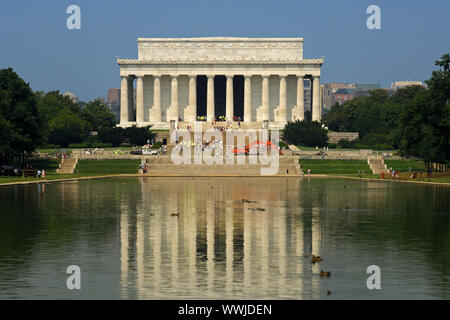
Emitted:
pixel 113 101
pixel 72 97
pixel 402 84
pixel 113 95
pixel 342 95
pixel 341 92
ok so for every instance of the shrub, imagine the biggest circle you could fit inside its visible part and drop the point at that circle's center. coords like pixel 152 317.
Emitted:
pixel 332 145
pixel 156 145
pixel 344 143
pixel 305 133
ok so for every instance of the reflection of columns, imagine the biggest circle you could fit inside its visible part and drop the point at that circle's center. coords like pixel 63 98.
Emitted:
pixel 229 244
pixel 192 98
pixel 282 110
pixel 174 250
pixel 140 99
pixel 210 99
pixel 316 112
pixel 247 248
pixel 174 99
pixel 265 254
pixel 282 239
pixel 229 102
pixel 248 99
pixel 265 98
pixel 140 251
pixel 300 252
pixel 316 241
pixel 300 98
pixel 156 99
pixel 191 222
pixel 156 240
pixel 124 245
pixel 130 99
pixel 124 100
pixel 210 242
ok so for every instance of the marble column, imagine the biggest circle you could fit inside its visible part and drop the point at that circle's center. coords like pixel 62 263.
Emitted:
pixel 265 98
pixel 248 98
pixel 130 99
pixel 316 112
pixel 156 99
pixel 124 100
pixel 140 99
pixel 300 108
pixel 192 98
pixel 210 99
pixel 229 100
pixel 282 111
pixel 174 99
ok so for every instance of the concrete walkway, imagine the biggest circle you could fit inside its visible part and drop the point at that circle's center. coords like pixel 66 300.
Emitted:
pixel 220 176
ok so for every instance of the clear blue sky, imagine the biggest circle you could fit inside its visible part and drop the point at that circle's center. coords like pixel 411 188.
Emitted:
pixel 34 39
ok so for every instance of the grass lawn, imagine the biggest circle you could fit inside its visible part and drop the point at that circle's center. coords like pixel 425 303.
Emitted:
pixel 403 165
pixel 85 168
pixel 349 167
pixel 103 167
pixel 445 179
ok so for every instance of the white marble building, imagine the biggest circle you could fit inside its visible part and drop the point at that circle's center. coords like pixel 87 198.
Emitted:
pixel 251 79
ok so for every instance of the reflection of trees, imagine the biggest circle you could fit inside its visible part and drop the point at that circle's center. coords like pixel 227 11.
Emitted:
pixel 387 216
pixel 52 217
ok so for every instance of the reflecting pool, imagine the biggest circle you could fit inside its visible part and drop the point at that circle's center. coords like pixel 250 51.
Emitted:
pixel 195 238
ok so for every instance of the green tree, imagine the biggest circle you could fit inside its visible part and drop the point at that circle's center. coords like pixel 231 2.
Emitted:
pixel 67 127
pixel 305 133
pixel 98 115
pixel 133 135
pixel 50 104
pixel 20 120
pixel 139 135
pixel 424 126
pixel 113 135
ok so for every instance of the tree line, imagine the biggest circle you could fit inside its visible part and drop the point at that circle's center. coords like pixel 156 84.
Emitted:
pixel 29 120
pixel 414 120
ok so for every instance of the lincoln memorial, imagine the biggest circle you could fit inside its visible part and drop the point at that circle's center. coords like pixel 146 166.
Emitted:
pixel 257 81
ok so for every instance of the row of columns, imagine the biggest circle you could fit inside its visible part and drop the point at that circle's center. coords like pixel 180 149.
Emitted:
pixel 190 114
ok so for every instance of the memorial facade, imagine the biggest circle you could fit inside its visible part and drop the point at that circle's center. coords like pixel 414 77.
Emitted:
pixel 255 81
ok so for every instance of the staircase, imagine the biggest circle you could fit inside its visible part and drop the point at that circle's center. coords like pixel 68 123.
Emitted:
pixel 376 164
pixel 67 165
pixel 294 149
pixel 164 166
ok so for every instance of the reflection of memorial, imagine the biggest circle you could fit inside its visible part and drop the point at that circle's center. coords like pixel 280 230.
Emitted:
pixel 217 247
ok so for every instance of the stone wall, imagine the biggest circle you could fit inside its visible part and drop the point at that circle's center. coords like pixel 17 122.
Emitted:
pixel 334 137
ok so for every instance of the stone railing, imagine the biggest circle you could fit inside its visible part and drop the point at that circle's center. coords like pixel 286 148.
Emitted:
pixel 334 137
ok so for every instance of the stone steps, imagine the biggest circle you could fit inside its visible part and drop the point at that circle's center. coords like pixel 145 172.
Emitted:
pixel 167 160
pixel 165 166
pixel 377 165
pixel 67 165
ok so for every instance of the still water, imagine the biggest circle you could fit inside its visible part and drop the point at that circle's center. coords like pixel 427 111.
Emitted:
pixel 128 245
